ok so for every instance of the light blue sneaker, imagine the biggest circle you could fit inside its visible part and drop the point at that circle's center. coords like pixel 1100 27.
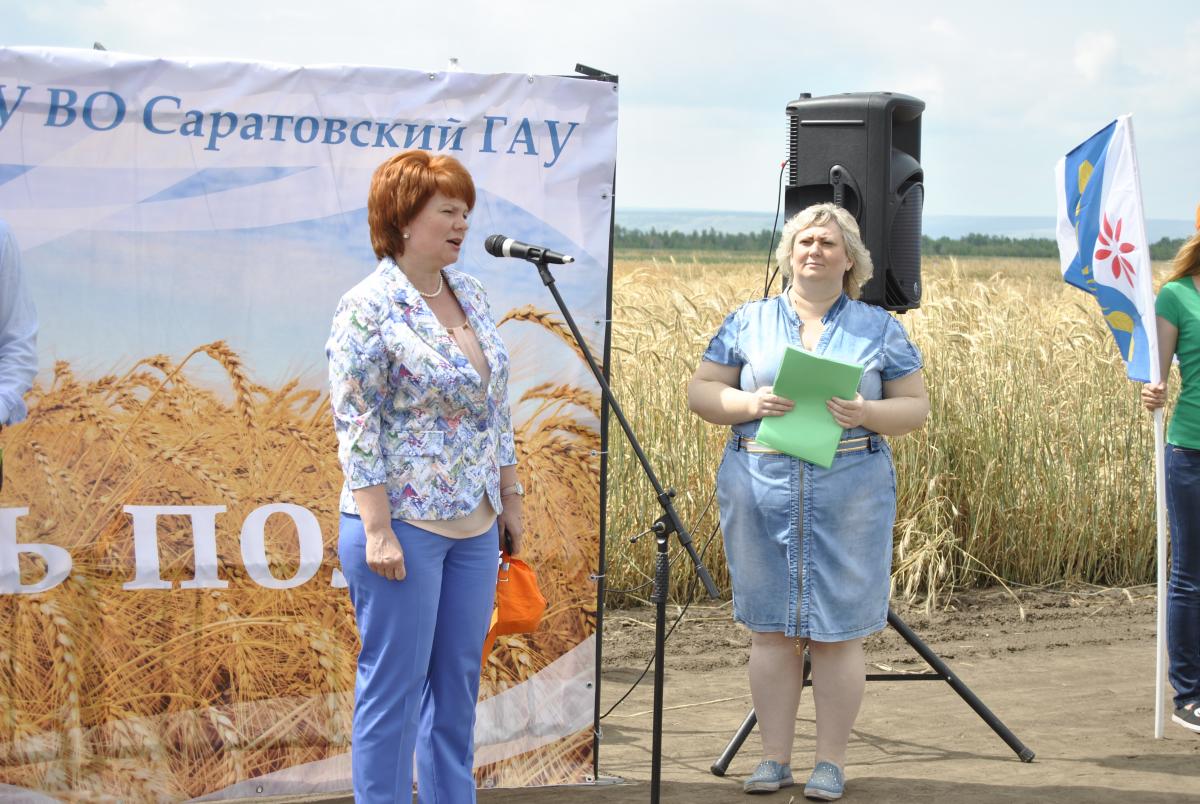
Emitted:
pixel 826 783
pixel 768 777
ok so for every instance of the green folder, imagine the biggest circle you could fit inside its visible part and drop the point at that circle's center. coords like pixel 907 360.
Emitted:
pixel 808 431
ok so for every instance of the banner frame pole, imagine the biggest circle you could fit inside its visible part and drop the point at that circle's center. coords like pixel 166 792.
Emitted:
pixel 586 73
pixel 602 558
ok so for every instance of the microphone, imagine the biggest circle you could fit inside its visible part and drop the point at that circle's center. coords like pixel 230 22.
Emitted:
pixel 500 246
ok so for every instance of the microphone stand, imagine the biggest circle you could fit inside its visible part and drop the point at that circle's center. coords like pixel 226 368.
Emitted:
pixel 663 527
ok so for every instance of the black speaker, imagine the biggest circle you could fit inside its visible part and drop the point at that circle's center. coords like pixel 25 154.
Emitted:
pixel 862 151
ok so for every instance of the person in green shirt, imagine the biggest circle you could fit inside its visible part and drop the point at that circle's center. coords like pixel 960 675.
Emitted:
pixel 1178 314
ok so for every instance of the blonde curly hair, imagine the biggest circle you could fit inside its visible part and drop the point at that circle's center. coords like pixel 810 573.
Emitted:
pixel 861 267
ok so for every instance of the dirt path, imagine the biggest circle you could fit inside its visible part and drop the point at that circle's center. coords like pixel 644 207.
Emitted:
pixel 1070 673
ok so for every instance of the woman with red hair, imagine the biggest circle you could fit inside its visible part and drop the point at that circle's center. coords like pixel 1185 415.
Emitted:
pixel 418 381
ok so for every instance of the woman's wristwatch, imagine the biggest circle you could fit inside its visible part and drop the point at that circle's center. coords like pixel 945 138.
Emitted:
pixel 516 489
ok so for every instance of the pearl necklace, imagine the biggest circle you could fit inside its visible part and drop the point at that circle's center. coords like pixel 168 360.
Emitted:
pixel 441 283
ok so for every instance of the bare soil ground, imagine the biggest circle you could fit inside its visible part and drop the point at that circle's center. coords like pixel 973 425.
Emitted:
pixel 1070 672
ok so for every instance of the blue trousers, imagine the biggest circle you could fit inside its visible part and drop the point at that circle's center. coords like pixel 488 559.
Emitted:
pixel 418 670
pixel 1183 590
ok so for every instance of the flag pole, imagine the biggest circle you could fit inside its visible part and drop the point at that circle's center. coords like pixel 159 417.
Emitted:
pixel 1160 475
pixel 1160 495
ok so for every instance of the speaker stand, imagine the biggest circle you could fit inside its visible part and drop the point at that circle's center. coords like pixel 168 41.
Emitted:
pixel 942 672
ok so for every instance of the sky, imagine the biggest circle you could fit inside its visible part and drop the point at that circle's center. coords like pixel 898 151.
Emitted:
pixel 704 84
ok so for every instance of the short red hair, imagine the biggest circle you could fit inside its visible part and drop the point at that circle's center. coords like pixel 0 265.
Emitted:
pixel 403 185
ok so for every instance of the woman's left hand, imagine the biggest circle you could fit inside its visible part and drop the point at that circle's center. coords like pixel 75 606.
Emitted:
pixel 1154 395
pixel 848 413
pixel 511 524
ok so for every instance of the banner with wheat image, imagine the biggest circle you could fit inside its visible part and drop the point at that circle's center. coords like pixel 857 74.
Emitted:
pixel 176 624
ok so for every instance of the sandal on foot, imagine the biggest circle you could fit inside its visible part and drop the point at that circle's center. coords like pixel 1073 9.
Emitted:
pixel 826 782
pixel 768 777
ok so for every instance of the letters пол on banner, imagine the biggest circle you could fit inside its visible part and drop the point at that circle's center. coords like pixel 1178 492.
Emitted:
pixel 168 579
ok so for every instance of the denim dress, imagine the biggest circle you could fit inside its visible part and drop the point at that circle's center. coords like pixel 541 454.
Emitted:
pixel 810 549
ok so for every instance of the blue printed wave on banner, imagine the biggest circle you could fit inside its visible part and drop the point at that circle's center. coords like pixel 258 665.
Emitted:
pixel 154 290
pixel 215 180
pixel 10 172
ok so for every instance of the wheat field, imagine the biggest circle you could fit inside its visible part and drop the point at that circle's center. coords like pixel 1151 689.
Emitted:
pixel 1035 466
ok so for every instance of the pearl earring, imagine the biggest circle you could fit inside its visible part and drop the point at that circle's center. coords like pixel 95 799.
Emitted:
pixel 405 235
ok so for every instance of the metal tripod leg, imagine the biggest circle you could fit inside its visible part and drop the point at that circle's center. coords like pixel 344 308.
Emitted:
pixel 722 764
pixel 943 673
pixel 964 692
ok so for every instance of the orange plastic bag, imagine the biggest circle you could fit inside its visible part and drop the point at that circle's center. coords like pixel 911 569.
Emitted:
pixel 519 602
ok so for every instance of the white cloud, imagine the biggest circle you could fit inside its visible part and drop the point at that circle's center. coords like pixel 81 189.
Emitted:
pixel 1095 52
pixel 704 84
pixel 940 26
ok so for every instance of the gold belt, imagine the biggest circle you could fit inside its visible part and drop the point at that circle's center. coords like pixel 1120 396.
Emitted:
pixel 846 445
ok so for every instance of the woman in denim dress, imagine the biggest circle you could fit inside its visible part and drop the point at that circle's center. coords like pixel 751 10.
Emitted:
pixel 809 549
pixel 1178 314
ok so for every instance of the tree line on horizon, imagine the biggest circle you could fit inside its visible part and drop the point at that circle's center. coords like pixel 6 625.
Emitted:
pixel 971 245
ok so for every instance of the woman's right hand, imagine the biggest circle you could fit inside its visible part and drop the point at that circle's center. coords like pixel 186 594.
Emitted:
pixel 384 555
pixel 1154 395
pixel 764 402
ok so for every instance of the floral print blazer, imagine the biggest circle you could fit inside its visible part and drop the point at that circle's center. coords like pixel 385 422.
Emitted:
pixel 410 411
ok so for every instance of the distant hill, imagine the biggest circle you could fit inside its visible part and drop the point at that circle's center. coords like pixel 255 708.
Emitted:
pixel 972 245
pixel 934 226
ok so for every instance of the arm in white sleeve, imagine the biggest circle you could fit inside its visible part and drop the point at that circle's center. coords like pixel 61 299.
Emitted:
pixel 18 332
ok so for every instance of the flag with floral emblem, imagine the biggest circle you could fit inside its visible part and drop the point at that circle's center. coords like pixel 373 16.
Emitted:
pixel 1102 240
